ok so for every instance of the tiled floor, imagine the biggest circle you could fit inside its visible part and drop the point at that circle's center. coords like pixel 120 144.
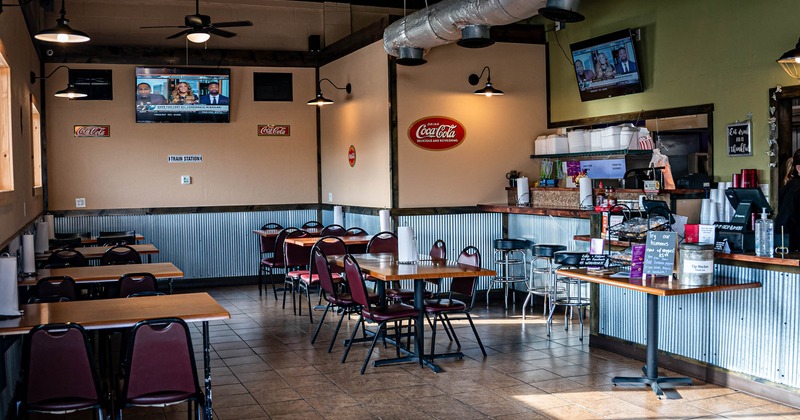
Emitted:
pixel 264 366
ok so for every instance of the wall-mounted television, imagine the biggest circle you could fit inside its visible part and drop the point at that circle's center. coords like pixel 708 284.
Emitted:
pixel 182 95
pixel 607 66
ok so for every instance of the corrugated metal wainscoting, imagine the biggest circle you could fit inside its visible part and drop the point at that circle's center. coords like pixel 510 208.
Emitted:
pixel 753 331
pixel 203 245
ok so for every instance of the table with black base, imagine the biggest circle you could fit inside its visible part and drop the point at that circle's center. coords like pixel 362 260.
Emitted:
pixel 654 287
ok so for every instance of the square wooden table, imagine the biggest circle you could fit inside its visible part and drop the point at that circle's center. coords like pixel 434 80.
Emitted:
pixel 273 233
pixel 653 287
pixel 124 313
pixel 93 239
pixel 96 252
pixel 107 273
pixel 386 268
pixel 308 242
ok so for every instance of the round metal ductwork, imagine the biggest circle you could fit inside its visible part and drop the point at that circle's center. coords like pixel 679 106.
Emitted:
pixel 562 11
pixel 475 36
pixel 410 56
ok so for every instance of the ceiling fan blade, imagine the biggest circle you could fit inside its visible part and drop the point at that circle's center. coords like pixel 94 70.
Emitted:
pixel 220 32
pixel 232 24
pixel 181 33
pixel 162 27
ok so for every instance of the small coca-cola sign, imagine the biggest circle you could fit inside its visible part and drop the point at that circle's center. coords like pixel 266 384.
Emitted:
pixel 351 156
pixel 273 130
pixel 92 131
pixel 437 133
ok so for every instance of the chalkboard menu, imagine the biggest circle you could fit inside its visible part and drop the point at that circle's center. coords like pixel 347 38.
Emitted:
pixel 659 253
pixel 740 138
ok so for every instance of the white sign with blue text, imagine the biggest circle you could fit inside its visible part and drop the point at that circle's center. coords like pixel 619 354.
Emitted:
pixel 604 169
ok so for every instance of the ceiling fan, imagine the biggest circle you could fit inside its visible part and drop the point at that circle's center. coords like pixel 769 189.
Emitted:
pixel 199 28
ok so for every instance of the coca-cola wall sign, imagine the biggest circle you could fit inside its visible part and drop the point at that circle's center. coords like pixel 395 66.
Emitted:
pixel 92 130
pixel 274 130
pixel 437 133
pixel 351 156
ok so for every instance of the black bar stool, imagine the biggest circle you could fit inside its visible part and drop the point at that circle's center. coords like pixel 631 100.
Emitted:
pixel 509 260
pixel 571 295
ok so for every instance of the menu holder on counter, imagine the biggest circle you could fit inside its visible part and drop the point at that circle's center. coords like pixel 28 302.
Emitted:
pixel 659 254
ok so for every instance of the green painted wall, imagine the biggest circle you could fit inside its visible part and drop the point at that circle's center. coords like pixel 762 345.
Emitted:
pixel 692 52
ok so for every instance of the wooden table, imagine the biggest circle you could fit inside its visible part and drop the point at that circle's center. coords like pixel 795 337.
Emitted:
pixel 272 233
pixel 96 252
pixel 107 273
pixel 386 268
pixel 653 287
pixel 93 239
pixel 307 242
pixel 124 313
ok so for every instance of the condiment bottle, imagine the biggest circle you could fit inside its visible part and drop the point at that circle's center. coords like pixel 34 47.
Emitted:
pixel 600 201
pixel 611 196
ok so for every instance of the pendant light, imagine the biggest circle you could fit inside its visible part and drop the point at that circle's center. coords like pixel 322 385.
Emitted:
pixel 70 92
pixel 198 37
pixel 62 33
pixel 321 100
pixel 790 61
pixel 487 90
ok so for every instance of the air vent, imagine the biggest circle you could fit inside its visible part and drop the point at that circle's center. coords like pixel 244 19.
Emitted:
pixel 562 11
pixel 410 56
pixel 475 36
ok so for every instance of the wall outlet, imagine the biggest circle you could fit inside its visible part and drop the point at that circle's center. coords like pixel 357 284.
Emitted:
pixel 186 180
pixel 330 197
pixel 80 202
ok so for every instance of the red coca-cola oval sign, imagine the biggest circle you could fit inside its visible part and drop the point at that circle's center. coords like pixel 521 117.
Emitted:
pixel 437 133
pixel 351 156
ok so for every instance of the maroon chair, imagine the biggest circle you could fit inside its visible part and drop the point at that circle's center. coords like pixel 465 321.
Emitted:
pixel 136 283
pixel 275 262
pixel 441 308
pixel 396 312
pixel 59 375
pixel 356 231
pixel 333 230
pixel 55 288
pixel 330 245
pixel 120 255
pixel 383 242
pixel 312 224
pixel 266 246
pixel 159 367
pixel 438 252
pixel 66 258
pixel 356 248
pixel 295 259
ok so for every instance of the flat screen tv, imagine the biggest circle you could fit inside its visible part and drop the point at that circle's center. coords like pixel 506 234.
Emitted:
pixel 607 66
pixel 182 95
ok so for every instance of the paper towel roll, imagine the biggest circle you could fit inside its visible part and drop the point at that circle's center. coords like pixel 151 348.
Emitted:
pixel 9 300
pixel 338 216
pixel 386 222
pixel 523 192
pixel 42 239
pixel 28 254
pixel 406 245
pixel 14 245
pixel 585 195
pixel 51 224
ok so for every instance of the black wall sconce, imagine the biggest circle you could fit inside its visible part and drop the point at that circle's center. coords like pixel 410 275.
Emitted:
pixel 487 90
pixel 70 92
pixel 321 100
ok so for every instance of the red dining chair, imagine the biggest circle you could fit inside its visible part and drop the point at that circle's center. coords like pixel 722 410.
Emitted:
pixel 443 307
pixel 266 245
pixel 356 231
pixel 275 262
pixel 136 283
pixel 55 289
pixel 295 259
pixel 159 368
pixel 438 252
pixel 396 312
pixel 120 255
pixel 330 245
pixel 333 230
pixel 66 258
pixel 59 375
pixel 312 224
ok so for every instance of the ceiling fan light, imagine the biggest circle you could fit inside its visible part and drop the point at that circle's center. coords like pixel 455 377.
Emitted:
pixel 198 37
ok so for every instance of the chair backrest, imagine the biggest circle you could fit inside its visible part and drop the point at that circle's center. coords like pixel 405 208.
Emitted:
pixel 356 231
pixel 331 245
pixel 105 240
pixel 132 283
pixel 55 287
pixel 321 267
pixel 296 256
pixel 333 230
pixel 267 245
pixel 466 285
pixel 278 256
pixel 383 242
pixel 71 242
pixel 159 362
pixel 120 255
pixel 66 258
pixel 58 368
pixel 355 281
pixel 312 224
pixel 438 250
pixel 117 233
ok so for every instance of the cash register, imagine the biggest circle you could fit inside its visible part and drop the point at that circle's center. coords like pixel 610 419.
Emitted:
pixel 748 202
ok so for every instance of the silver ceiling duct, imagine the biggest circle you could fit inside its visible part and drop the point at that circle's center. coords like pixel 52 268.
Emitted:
pixel 442 22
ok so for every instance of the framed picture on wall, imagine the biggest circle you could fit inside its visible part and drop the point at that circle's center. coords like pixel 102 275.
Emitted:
pixel 96 83
pixel 272 87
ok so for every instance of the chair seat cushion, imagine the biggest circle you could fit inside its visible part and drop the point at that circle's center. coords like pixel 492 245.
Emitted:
pixel 270 262
pixel 156 398
pixel 390 312
pixel 296 274
pixel 314 278
pixel 444 305
pixel 62 404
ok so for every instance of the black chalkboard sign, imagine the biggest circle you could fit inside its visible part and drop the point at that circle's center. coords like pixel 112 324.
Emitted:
pixel 659 253
pixel 740 139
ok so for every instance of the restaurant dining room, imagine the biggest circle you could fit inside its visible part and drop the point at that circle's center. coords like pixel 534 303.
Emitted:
pixel 444 209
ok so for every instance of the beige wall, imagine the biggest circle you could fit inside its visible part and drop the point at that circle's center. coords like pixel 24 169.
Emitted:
pixel 130 169
pixel 19 207
pixel 499 130
pixel 692 52
pixel 362 120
